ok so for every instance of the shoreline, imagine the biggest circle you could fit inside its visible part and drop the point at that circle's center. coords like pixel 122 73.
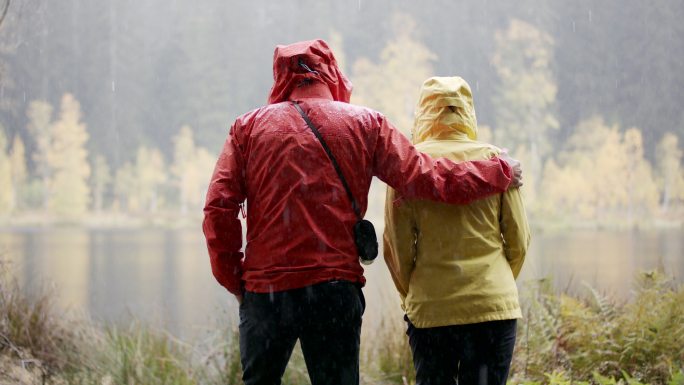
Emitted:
pixel 180 221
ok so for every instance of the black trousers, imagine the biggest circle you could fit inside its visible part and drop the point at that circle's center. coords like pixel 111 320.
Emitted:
pixel 474 354
pixel 326 318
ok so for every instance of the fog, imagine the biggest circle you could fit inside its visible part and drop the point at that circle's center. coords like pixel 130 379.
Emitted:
pixel 142 69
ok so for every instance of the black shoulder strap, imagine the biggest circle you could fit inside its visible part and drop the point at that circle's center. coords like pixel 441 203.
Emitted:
pixel 332 158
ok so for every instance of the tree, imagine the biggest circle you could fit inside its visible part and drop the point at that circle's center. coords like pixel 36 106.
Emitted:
pixel 623 60
pixel 8 49
pixel 39 114
pixel 124 188
pixel 670 170
pixel 100 179
pixel 68 161
pixel 566 192
pixel 392 85
pixel 601 173
pixel 19 173
pixel 525 99
pixel 642 188
pixel 183 168
pixel 205 162
pixel 5 176
pixel 196 90
pixel 191 170
pixel 149 176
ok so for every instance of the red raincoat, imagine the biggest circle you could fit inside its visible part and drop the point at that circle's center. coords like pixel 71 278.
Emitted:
pixel 300 220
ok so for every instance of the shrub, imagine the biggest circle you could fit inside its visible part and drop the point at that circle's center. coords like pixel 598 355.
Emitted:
pixel 595 337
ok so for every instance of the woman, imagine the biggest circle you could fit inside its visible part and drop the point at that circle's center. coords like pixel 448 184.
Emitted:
pixel 455 266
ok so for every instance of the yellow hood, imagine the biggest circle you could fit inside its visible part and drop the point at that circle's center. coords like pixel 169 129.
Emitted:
pixel 434 118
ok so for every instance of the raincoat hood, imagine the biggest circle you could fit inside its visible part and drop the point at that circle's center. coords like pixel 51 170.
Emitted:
pixel 434 117
pixel 317 56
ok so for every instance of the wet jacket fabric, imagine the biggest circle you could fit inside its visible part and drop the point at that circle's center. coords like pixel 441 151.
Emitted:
pixel 299 219
pixel 454 265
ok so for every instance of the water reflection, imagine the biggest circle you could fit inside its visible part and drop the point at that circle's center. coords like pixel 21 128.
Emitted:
pixel 159 276
pixel 43 259
pixel 164 277
pixel 606 260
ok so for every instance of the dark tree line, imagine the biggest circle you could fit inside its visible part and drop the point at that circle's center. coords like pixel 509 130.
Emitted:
pixel 143 69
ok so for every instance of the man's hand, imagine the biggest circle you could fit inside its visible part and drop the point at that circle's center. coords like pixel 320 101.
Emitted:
pixel 515 168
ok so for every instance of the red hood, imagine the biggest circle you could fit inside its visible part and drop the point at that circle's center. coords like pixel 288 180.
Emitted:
pixel 287 73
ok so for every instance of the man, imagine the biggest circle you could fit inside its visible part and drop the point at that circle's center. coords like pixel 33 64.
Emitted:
pixel 455 266
pixel 300 277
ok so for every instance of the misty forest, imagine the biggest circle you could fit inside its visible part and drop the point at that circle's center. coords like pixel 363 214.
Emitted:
pixel 120 108
pixel 113 113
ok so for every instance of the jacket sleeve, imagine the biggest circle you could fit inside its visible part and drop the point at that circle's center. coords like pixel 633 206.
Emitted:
pixel 399 241
pixel 416 175
pixel 514 229
pixel 221 225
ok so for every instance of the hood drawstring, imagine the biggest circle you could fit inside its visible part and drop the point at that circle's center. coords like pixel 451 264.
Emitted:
pixel 306 81
pixel 306 67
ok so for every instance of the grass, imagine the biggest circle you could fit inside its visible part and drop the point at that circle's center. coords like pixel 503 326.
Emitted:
pixel 31 334
pixel 592 337
pixel 137 355
pixel 386 356
pixel 563 339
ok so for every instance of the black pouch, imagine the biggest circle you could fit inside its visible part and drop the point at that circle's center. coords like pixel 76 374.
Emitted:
pixel 366 241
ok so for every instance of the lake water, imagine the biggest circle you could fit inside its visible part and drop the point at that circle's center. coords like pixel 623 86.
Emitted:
pixel 163 277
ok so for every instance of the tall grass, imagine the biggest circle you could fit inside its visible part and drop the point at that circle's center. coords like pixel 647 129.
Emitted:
pixel 39 344
pixel 595 338
pixel 30 334
pixel 563 339
pixel 386 356
pixel 137 355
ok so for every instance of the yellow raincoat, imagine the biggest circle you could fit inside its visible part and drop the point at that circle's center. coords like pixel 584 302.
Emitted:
pixel 451 264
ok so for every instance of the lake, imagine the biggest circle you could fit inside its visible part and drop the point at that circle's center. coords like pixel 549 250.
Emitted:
pixel 163 277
